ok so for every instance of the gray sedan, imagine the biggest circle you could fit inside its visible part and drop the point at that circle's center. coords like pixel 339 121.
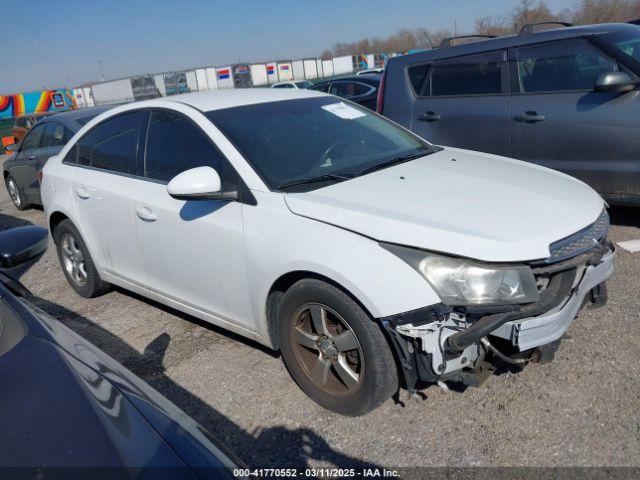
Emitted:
pixel 44 140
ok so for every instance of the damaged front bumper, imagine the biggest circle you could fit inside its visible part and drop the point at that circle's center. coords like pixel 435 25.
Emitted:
pixel 423 339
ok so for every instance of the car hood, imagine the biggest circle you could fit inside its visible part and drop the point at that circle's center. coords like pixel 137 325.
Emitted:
pixel 460 202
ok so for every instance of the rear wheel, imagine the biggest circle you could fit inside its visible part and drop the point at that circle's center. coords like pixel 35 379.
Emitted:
pixel 333 350
pixel 76 262
pixel 15 193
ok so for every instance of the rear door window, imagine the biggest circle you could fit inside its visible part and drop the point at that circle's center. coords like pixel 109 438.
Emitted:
pixel 113 144
pixel 571 65
pixel 470 75
pixel 33 138
pixel 175 144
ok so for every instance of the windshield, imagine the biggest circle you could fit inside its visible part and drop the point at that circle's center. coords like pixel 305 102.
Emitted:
pixel 628 42
pixel 294 140
pixel 303 84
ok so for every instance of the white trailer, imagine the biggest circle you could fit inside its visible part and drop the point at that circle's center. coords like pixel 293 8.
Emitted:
pixel 212 80
pixel 78 94
pixel 272 72
pixel 192 80
pixel 319 68
pixel 225 77
pixel 159 81
pixel 201 77
pixel 285 72
pixel 327 68
pixel 298 69
pixel 259 74
pixel 342 65
pixel 88 96
pixel 310 68
pixel 115 91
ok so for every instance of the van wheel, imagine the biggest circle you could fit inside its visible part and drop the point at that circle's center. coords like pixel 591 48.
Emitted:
pixel 76 262
pixel 334 351
pixel 16 194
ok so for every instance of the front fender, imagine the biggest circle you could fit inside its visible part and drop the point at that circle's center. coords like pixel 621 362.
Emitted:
pixel 279 242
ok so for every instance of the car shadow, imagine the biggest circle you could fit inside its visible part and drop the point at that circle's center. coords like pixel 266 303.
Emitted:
pixel 625 216
pixel 273 447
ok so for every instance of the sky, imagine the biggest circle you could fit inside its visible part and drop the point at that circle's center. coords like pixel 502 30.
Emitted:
pixel 48 44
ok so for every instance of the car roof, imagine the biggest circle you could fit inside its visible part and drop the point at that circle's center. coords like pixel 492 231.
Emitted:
pixel 219 99
pixel 513 41
pixel 71 118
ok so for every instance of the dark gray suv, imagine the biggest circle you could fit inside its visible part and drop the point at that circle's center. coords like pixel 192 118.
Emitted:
pixel 565 98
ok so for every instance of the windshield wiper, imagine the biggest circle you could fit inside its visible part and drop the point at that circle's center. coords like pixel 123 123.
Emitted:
pixel 395 161
pixel 318 178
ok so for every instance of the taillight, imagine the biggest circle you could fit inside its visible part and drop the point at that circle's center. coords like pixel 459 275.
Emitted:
pixel 39 175
pixel 380 99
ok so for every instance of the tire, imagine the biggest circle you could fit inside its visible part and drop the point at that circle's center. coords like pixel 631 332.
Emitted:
pixel 76 262
pixel 15 193
pixel 347 373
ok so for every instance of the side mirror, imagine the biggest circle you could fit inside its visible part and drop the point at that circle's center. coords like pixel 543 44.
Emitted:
pixel 20 248
pixel 200 183
pixel 614 82
pixel 12 147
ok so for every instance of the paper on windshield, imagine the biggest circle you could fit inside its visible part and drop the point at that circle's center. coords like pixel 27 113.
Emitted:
pixel 343 110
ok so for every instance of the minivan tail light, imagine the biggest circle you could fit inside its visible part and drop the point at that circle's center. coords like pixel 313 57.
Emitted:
pixel 380 99
pixel 39 176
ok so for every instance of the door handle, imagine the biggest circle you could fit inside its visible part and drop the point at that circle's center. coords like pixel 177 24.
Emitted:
pixel 146 214
pixel 430 117
pixel 530 117
pixel 82 193
pixel 32 157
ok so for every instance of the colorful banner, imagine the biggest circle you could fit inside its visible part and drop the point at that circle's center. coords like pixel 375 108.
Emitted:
pixel 20 104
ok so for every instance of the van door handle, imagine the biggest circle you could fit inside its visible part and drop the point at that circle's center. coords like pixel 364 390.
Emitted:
pixel 82 193
pixel 146 214
pixel 430 117
pixel 530 117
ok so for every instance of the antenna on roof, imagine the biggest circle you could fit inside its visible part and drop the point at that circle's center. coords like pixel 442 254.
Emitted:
pixel 527 29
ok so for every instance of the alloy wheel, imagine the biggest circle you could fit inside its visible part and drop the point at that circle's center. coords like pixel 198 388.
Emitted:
pixel 327 349
pixel 14 192
pixel 73 259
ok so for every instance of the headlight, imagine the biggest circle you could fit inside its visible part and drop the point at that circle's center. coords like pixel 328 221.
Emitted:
pixel 459 281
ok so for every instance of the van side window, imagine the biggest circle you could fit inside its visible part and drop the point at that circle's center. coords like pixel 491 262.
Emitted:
pixel 471 75
pixel 563 66
pixel 176 144
pixel 112 145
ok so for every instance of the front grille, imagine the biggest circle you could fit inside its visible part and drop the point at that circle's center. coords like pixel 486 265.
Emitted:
pixel 580 242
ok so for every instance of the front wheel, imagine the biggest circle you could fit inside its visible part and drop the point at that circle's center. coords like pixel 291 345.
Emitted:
pixel 333 350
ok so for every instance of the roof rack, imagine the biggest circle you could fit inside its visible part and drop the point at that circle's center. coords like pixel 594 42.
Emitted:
pixel 528 28
pixel 446 42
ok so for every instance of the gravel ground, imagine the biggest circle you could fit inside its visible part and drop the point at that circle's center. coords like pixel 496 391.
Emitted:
pixel 580 410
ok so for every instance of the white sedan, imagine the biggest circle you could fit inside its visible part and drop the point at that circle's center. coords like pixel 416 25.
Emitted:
pixel 368 257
